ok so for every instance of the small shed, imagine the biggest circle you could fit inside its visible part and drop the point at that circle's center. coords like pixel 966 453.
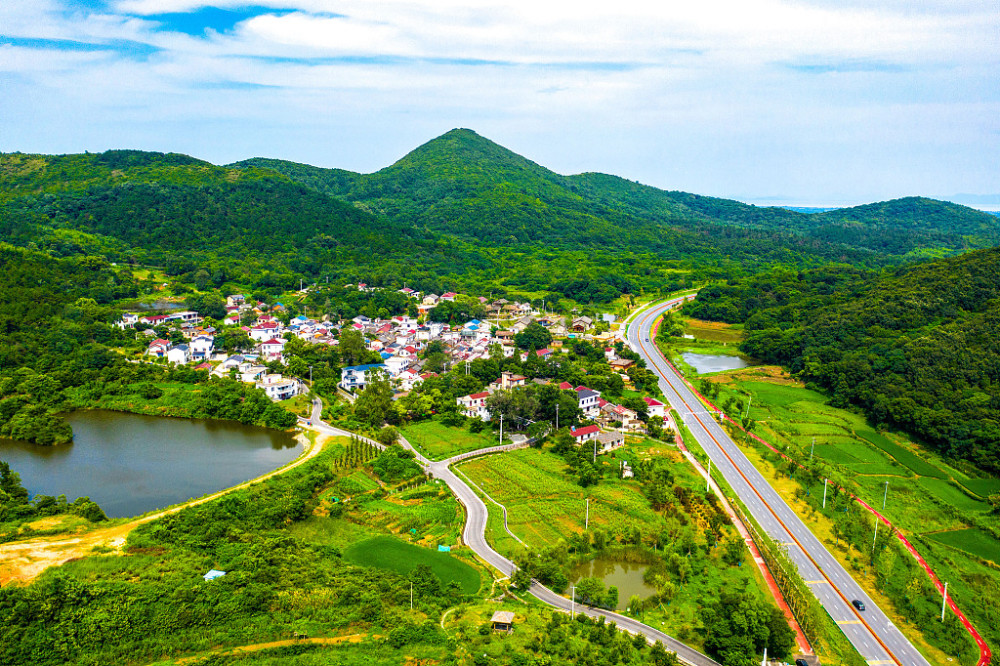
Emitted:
pixel 213 574
pixel 503 621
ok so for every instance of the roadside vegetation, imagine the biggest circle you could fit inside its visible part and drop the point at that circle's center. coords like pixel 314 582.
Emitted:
pixel 933 501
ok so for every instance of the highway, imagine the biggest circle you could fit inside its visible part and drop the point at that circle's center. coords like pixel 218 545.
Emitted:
pixel 474 536
pixel 871 632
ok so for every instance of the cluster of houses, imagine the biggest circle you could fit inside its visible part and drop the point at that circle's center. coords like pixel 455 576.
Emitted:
pixel 398 340
pixel 611 421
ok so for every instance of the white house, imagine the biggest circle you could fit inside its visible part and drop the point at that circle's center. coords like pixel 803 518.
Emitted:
pixel 180 354
pixel 474 405
pixel 158 348
pixel 202 347
pixel 585 434
pixel 356 377
pixel 129 320
pixel 265 331
pixel 654 407
pixel 277 387
pixel 272 349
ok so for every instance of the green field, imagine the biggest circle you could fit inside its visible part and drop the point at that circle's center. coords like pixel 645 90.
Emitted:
pixel 438 441
pixel 394 555
pixel 981 487
pixel 976 542
pixel 545 505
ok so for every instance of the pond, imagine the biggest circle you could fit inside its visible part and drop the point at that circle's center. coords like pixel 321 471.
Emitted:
pixel 626 576
pixel 703 363
pixel 131 464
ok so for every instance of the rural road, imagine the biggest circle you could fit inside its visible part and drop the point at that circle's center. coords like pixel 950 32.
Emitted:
pixel 474 536
pixel 871 632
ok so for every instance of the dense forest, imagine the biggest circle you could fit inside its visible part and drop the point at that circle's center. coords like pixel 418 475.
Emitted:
pixel 917 347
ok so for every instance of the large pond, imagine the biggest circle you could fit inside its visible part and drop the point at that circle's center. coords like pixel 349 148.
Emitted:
pixel 626 576
pixel 131 464
pixel 703 363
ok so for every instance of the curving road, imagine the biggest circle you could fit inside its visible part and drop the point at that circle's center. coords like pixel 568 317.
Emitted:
pixel 474 536
pixel 871 632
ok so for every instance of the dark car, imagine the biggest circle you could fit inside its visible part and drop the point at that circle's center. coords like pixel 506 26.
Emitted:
pixel 860 605
pixel 801 662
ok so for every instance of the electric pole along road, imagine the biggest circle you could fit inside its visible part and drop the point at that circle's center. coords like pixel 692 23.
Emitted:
pixel 875 637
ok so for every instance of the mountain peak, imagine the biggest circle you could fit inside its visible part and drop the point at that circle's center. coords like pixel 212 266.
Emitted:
pixel 461 160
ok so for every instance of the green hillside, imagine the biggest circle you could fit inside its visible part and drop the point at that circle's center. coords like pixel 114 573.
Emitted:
pixel 465 185
pixel 917 348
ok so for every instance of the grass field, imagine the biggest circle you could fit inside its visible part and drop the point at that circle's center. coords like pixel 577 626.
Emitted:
pixel 977 542
pixel 438 441
pixel 981 487
pixel 545 505
pixel 394 555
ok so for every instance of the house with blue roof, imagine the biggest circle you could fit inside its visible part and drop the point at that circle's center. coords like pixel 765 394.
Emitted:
pixel 356 378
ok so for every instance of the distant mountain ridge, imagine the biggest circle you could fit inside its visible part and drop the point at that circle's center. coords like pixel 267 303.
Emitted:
pixel 464 184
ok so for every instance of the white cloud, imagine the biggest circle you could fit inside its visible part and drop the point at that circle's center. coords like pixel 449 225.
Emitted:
pixel 718 85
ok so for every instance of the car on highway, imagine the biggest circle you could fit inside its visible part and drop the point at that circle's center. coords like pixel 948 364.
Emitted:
pixel 860 605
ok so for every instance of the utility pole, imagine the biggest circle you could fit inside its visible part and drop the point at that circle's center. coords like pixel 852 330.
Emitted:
pixel 557 416
pixel 586 521
pixel 885 496
pixel 944 601
pixel 812 449
pixel 310 375
pixel 825 481
pixel 595 451
pixel 708 480
pixel 749 402
pixel 764 661
pixel 572 603
pixel 876 535
pixel 501 429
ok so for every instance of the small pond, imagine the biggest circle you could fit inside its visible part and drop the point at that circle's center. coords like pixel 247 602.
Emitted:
pixel 703 363
pixel 131 464
pixel 626 576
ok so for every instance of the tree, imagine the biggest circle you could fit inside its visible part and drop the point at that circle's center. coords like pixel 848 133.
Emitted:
pixel 387 436
pixel 352 346
pixel 374 405
pixel 535 336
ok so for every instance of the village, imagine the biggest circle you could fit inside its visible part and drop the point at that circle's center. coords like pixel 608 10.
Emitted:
pixel 184 338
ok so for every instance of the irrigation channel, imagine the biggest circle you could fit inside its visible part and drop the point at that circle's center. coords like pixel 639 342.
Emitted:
pixel 875 637
pixel 474 536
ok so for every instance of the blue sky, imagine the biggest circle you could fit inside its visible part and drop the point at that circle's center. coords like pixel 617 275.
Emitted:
pixel 803 102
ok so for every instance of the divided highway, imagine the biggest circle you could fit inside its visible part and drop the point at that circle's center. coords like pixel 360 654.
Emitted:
pixel 875 637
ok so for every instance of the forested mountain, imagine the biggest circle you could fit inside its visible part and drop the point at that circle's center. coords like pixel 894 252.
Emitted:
pixel 917 347
pixel 466 185
pixel 458 213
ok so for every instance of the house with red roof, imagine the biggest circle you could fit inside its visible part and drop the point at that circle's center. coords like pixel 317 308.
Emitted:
pixel 585 434
pixel 474 405
pixel 655 407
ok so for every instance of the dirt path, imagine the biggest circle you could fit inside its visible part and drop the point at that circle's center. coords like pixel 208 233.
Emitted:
pixel 23 561
pixel 257 647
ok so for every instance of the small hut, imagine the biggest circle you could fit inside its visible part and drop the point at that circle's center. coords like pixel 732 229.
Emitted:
pixel 503 621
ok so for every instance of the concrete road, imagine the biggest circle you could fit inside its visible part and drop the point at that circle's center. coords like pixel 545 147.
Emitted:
pixel 876 638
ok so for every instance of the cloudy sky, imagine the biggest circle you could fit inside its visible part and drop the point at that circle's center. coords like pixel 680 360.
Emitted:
pixel 817 102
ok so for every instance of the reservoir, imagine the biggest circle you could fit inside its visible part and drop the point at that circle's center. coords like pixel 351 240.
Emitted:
pixel 626 576
pixel 703 363
pixel 131 464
